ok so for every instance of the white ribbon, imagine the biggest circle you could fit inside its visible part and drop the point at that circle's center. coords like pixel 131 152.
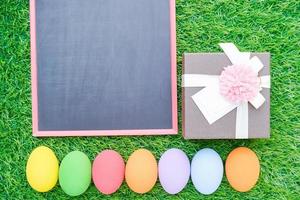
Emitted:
pixel 212 104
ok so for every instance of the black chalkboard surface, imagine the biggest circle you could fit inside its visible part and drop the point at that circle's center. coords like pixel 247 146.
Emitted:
pixel 103 67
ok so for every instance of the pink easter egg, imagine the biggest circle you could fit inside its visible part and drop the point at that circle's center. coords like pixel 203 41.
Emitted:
pixel 108 171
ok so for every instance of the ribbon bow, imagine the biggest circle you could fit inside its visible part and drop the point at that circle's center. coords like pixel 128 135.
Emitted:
pixel 213 104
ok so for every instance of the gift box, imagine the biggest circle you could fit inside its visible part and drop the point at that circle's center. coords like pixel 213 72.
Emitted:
pixel 221 99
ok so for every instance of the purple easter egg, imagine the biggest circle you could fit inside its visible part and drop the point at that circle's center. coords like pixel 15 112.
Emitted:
pixel 174 170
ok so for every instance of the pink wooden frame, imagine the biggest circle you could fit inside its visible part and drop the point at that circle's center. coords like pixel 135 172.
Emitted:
pixel 34 88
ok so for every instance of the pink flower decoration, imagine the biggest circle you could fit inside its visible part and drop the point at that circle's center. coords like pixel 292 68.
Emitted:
pixel 239 83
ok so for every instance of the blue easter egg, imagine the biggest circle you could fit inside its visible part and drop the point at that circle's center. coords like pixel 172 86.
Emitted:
pixel 207 171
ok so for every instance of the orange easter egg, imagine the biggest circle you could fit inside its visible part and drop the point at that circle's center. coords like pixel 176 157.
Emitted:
pixel 141 171
pixel 242 169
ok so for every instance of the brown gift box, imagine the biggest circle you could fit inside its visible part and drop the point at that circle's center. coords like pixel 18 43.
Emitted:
pixel 195 126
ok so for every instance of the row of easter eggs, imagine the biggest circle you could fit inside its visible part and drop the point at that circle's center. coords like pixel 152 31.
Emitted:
pixel 141 171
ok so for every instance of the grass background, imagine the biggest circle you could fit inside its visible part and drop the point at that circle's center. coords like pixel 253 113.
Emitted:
pixel 257 25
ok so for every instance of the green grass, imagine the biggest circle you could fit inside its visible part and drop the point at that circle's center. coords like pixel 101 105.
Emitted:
pixel 256 25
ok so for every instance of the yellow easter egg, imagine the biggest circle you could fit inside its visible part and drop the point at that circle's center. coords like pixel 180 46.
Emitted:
pixel 141 171
pixel 42 169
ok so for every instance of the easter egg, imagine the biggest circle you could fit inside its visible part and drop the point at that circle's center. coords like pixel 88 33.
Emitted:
pixel 207 171
pixel 242 169
pixel 75 173
pixel 42 169
pixel 108 171
pixel 141 171
pixel 173 170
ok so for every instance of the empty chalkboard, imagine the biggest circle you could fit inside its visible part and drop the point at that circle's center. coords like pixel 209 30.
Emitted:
pixel 103 67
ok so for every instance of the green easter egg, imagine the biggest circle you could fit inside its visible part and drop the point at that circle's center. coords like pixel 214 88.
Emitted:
pixel 75 173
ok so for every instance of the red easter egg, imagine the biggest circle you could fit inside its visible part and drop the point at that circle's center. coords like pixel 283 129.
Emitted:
pixel 108 171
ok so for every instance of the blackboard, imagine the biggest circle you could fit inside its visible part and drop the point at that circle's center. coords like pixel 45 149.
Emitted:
pixel 103 67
